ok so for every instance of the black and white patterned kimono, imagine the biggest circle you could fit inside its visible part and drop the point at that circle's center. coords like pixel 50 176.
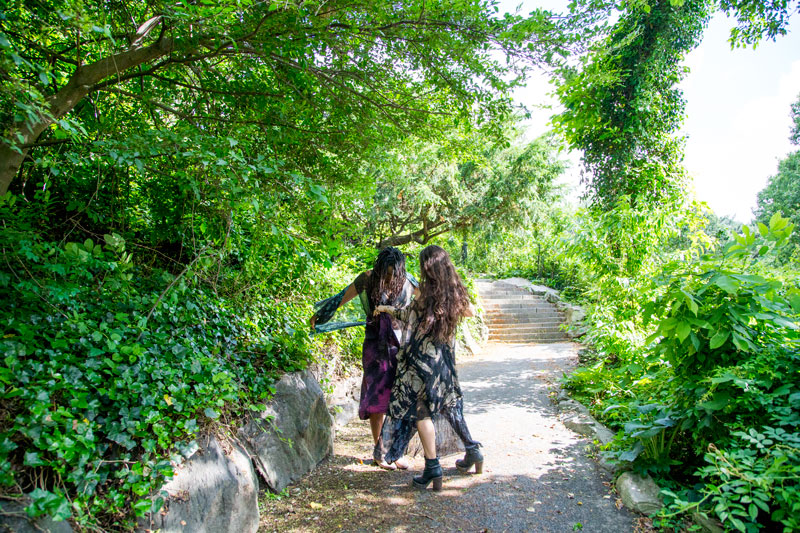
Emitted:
pixel 425 386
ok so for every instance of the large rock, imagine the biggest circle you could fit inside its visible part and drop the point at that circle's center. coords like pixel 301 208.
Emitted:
pixel 14 519
pixel 576 417
pixel 573 314
pixel 214 491
pixel 293 435
pixel 640 494
pixel 343 400
pixel 587 426
pixel 470 345
pixel 571 405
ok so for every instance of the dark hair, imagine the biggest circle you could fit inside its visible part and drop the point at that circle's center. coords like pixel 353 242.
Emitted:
pixel 388 257
pixel 443 297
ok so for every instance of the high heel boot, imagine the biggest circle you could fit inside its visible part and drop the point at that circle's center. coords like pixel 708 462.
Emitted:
pixel 432 472
pixel 472 457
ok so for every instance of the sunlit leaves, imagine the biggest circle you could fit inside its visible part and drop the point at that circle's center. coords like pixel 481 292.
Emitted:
pixel 623 107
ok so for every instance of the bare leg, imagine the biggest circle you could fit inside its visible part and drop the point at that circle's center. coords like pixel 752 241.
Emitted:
pixel 433 470
pixel 375 425
pixel 427 434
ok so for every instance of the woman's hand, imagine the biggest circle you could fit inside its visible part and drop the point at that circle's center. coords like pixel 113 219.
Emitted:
pixel 313 321
pixel 383 309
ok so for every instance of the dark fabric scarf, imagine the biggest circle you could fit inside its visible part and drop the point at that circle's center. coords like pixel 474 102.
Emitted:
pixel 326 309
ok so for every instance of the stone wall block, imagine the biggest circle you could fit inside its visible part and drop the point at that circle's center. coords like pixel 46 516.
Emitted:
pixel 293 434
pixel 214 491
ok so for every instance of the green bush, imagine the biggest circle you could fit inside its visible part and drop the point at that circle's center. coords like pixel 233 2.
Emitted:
pixel 110 368
pixel 709 402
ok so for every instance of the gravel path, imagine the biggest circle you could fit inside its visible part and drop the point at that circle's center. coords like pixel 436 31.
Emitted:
pixel 538 475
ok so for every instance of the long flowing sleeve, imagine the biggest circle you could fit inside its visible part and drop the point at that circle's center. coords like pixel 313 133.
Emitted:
pixel 326 309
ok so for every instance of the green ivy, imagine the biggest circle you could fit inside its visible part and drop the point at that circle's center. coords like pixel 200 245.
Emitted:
pixel 110 368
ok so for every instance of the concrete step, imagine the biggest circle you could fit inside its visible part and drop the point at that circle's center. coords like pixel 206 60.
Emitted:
pixel 500 312
pixel 529 335
pixel 523 328
pixel 530 314
pixel 511 296
pixel 510 328
pixel 516 304
pixel 550 337
pixel 514 323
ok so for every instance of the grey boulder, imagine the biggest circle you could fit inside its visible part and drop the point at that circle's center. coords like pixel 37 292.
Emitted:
pixel 293 434
pixel 214 491
pixel 14 519
pixel 640 494
pixel 343 400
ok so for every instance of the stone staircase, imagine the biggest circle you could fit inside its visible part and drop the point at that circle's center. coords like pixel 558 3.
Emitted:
pixel 515 315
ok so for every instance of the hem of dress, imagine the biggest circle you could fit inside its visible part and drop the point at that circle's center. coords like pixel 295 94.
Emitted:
pixel 365 415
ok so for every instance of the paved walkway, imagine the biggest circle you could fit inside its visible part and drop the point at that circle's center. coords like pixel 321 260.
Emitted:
pixel 538 475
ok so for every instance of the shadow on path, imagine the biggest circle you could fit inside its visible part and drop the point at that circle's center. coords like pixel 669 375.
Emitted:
pixel 538 475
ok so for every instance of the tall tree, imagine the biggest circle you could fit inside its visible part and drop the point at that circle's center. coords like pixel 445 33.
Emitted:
pixel 782 193
pixel 309 78
pixel 794 137
pixel 623 107
pixel 424 189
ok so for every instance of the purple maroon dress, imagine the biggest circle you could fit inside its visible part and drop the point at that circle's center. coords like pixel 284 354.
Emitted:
pixel 381 334
pixel 379 352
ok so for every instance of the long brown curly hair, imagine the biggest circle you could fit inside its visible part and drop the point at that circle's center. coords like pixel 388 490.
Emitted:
pixel 392 258
pixel 443 297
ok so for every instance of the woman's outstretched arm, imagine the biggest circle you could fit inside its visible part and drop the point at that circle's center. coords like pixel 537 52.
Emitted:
pixel 349 294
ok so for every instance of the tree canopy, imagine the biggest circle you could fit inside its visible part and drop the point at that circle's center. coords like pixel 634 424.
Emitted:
pixel 310 83
pixel 424 189
pixel 623 107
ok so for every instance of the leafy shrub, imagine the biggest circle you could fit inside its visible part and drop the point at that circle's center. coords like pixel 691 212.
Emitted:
pixel 713 394
pixel 110 369
pixel 756 479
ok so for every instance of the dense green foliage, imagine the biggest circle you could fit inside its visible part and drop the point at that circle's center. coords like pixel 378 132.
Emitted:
pixel 112 363
pixel 693 331
pixel 623 108
pixel 185 180
pixel 688 355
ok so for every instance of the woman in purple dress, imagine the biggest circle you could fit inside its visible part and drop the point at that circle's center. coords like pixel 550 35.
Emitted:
pixel 386 284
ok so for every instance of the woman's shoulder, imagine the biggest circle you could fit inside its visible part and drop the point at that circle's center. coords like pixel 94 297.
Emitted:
pixel 362 280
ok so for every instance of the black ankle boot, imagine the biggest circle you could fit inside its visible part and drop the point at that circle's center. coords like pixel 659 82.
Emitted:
pixel 472 457
pixel 432 472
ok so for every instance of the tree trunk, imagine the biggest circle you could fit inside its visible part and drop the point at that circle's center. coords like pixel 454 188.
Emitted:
pixel 82 82
pixel 399 240
pixel 539 259
pixel 464 251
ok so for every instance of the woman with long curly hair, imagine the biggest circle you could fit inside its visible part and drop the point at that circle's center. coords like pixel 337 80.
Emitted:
pixel 426 391
pixel 386 284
